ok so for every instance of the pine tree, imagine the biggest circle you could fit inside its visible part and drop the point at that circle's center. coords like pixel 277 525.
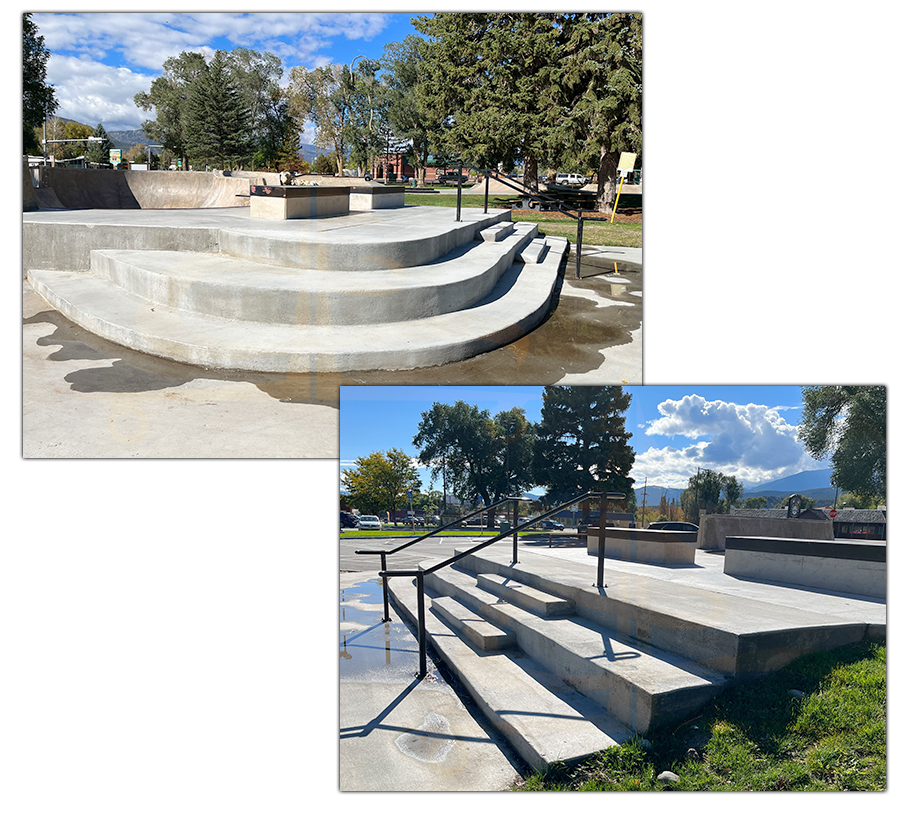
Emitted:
pixel 38 98
pixel 582 444
pixel 217 128
pixel 97 153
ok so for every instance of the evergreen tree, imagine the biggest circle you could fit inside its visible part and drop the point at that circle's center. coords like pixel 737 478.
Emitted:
pixel 599 107
pixel 38 98
pixel 97 153
pixel 582 444
pixel 218 124
pixel 168 96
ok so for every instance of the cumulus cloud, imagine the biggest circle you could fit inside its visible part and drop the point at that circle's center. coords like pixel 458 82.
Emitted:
pixel 753 442
pixel 142 42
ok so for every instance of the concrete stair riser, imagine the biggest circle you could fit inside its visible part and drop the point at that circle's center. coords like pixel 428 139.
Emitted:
pixel 636 684
pixel 516 305
pixel 711 647
pixel 531 599
pixel 475 630
pixel 544 719
pixel 216 285
pixel 363 255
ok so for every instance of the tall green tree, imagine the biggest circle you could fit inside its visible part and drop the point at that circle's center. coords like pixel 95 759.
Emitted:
pixel 325 96
pixel 599 107
pixel 490 77
pixel 379 482
pixel 712 492
pixel 476 453
pixel 218 125
pixel 582 444
pixel 848 424
pixel 98 152
pixel 38 97
pixel 168 97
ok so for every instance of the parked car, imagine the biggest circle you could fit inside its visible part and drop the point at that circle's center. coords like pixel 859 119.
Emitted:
pixel 570 180
pixel 552 524
pixel 451 176
pixel 671 526
pixel 369 522
pixel 348 520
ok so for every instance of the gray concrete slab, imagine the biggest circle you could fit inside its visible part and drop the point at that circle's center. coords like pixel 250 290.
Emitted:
pixel 398 733
pixel 86 397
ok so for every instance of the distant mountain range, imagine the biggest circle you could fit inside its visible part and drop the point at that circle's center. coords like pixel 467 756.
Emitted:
pixel 124 140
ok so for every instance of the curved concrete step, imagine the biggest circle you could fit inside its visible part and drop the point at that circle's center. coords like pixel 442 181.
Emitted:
pixel 517 303
pixel 542 717
pixel 215 284
pixel 642 686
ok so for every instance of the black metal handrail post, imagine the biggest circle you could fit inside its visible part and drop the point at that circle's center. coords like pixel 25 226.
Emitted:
pixel 578 246
pixel 420 605
pixel 601 549
pixel 515 528
pixel 459 193
pixel 383 553
pixel 487 178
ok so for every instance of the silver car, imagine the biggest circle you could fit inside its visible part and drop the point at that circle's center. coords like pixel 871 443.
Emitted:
pixel 370 522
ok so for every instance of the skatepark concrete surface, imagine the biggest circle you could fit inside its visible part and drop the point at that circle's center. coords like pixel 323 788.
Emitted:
pixel 399 733
pixel 702 589
pixel 83 397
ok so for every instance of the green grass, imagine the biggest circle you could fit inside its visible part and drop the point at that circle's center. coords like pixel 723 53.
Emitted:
pixel 620 234
pixel 759 736
pixel 400 531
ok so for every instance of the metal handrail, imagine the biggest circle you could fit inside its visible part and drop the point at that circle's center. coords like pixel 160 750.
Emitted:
pixel 384 553
pixel 542 197
pixel 420 574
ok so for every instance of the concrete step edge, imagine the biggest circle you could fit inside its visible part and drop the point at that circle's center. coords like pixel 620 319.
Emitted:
pixel 522 700
pixel 471 626
pixel 525 596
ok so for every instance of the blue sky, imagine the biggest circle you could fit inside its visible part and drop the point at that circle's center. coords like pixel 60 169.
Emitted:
pixel 100 60
pixel 749 431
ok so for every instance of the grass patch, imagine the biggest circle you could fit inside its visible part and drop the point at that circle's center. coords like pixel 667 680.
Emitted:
pixel 408 532
pixel 760 736
pixel 622 234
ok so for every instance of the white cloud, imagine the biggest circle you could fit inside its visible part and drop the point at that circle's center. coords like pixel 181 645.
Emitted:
pixel 91 91
pixel 753 442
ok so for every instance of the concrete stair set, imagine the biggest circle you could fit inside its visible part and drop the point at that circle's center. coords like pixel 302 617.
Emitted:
pixel 564 671
pixel 284 303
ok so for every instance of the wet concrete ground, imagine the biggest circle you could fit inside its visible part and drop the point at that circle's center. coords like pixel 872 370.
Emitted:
pixel 397 732
pixel 87 397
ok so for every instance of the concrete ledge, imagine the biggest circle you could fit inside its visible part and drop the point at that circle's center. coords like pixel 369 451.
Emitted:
pixel 376 198
pixel 715 528
pixel 841 566
pixel 645 545
pixel 285 202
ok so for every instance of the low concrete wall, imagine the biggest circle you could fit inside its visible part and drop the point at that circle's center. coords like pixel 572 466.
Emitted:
pixel 286 202
pixel 715 528
pixel 376 198
pixel 80 188
pixel 841 565
pixel 645 545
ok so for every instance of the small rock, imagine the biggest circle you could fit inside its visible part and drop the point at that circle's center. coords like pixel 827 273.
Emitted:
pixel 797 694
pixel 646 744
pixel 667 775
pixel 692 753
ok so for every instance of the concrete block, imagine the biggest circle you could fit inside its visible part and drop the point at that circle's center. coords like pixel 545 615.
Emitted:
pixel 645 545
pixel 472 627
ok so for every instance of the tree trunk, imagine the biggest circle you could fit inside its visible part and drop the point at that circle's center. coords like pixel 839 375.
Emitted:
pixel 606 181
pixel 531 172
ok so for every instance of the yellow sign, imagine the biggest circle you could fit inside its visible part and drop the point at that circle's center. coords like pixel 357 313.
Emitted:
pixel 626 161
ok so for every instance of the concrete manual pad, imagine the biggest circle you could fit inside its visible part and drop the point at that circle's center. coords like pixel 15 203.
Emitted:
pixel 398 733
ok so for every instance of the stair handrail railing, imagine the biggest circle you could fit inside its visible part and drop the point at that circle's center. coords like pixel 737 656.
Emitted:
pixel 562 206
pixel 383 553
pixel 421 573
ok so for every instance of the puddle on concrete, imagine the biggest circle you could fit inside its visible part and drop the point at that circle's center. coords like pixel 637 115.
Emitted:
pixel 427 744
pixel 368 646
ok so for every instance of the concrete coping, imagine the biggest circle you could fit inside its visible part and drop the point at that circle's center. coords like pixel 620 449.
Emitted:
pixel 298 192
pixel 866 552
pixel 658 535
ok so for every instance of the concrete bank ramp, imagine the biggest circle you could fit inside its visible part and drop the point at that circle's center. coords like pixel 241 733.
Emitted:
pixel 86 189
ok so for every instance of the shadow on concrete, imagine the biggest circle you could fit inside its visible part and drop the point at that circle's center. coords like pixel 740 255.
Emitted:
pixel 133 372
